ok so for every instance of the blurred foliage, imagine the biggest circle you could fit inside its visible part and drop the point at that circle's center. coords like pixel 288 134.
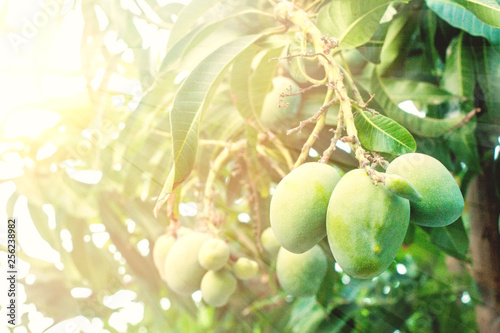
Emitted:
pixel 189 104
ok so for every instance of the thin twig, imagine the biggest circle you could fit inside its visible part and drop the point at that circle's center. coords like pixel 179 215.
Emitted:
pixel 303 90
pixel 302 55
pixel 312 119
pixel 270 161
pixel 468 117
pixel 320 124
pixel 254 200
pixel 218 163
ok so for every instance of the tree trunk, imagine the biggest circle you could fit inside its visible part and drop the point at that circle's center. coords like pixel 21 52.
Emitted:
pixel 484 209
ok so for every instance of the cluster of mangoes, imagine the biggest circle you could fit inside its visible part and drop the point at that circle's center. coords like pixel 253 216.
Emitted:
pixel 365 223
pixel 191 260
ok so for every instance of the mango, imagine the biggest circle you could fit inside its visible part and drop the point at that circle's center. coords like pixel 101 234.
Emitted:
pixel 245 268
pixel 269 241
pixel 299 204
pixel 213 254
pixel 301 274
pixel 366 225
pixel 272 114
pixel 442 202
pixel 162 246
pixel 183 272
pixel 217 287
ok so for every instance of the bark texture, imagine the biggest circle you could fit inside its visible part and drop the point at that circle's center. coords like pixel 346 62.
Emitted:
pixel 484 208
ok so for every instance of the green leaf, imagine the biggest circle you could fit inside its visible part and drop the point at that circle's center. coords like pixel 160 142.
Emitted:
pixel 426 127
pixel 425 92
pixel 396 45
pixel 261 79
pixel 353 23
pixel 193 38
pixel 452 239
pixel 339 319
pixel 379 133
pixel 458 75
pixel 459 17
pixel 487 11
pixel 486 60
pixel 240 84
pixel 190 102
pixel 462 143
pixel 306 315
pixel 372 49
pixel 187 19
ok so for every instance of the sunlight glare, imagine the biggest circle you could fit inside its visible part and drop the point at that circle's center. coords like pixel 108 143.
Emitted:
pixel 30 123
pixel 46 151
pixel 65 51
pixel 410 107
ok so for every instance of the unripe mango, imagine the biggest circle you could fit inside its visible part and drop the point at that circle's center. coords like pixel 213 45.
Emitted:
pixel 269 241
pixel 160 251
pixel 162 247
pixel 442 202
pixel 366 225
pixel 299 205
pixel 183 272
pixel 217 287
pixel 245 268
pixel 272 114
pixel 214 254
pixel 301 274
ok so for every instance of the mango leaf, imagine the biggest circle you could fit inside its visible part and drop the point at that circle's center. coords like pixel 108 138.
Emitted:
pixel 487 11
pixel 379 133
pixel 189 103
pixel 462 143
pixel 403 90
pixel 194 37
pixel 459 17
pixel 395 46
pixel 353 23
pixel 306 316
pixel 452 239
pixel 426 127
pixel 428 31
pixel 486 60
pixel 187 19
pixel 458 75
pixel 240 85
pixel 261 79
pixel 339 319
pixel 372 49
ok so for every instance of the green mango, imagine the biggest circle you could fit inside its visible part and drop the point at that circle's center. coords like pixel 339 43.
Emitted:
pixel 366 225
pixel 269 241
pixel 299 204
pixel 245 268
pixel 213 254
pixel 217 287
pixel 162 246
pixel 183 272
pixel 301 274
pixel 274 116
pixel 442 201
